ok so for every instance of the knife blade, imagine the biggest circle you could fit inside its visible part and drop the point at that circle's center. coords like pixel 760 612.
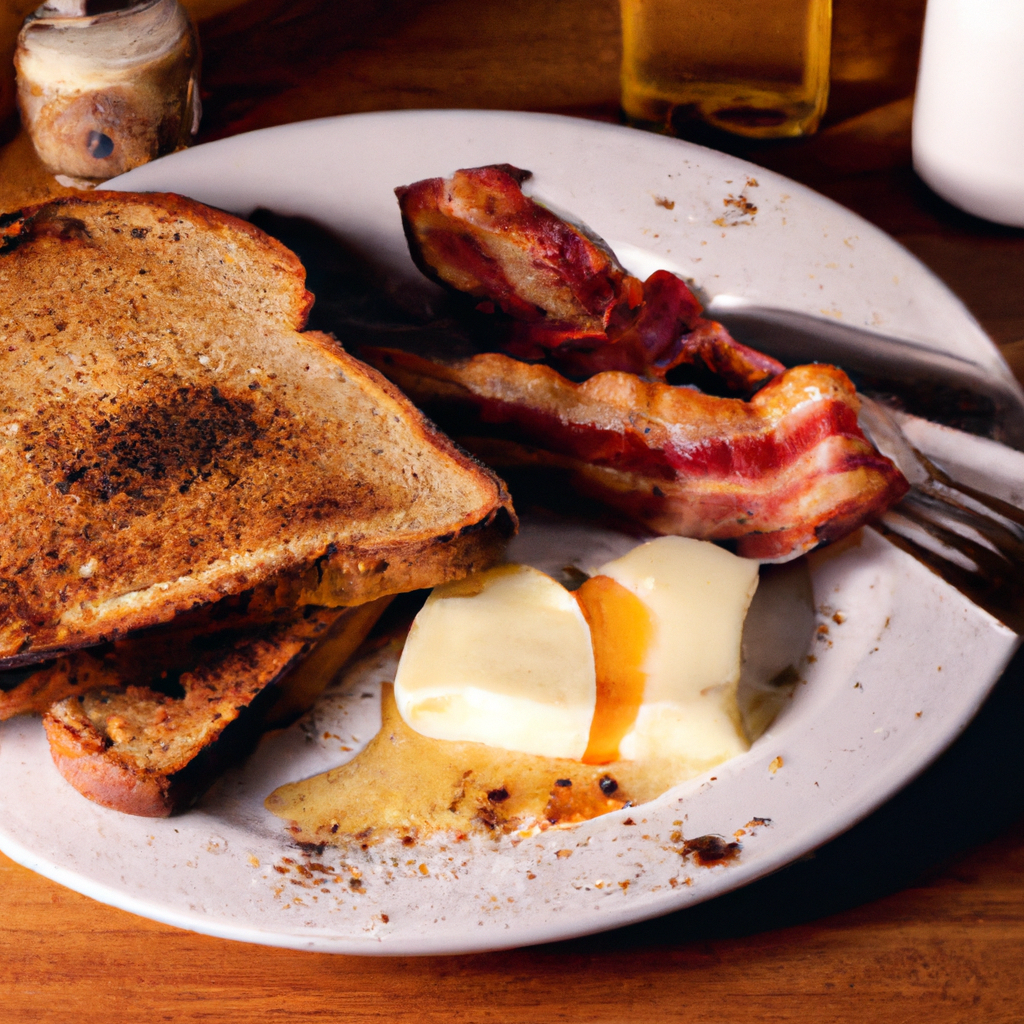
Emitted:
pixel 932 384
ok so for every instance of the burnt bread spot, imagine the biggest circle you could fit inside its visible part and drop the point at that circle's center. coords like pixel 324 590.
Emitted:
pixel 20 618
pixel 15 606
pixel 12 231
pixel 16 229
pixel 156 449
pixel 500 520
pixel 64 229
pixel 126 489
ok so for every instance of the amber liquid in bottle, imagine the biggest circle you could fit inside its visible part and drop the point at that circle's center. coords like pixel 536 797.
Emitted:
pixel 750 67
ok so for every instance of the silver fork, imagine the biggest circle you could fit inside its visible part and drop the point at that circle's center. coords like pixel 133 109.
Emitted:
pixel 973 540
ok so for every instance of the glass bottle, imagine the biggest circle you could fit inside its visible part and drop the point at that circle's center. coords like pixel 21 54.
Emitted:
pixel 758 69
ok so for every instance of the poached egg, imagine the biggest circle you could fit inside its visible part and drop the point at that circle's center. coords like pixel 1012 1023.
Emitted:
pixel 641 662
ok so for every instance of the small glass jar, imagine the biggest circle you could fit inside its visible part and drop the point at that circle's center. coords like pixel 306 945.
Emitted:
pixel 755 69
pixel 101 94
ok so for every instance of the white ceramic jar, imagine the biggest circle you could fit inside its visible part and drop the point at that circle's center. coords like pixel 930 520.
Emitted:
pixel 968 134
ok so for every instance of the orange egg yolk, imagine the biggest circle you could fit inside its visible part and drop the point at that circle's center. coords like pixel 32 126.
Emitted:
pixel 621 629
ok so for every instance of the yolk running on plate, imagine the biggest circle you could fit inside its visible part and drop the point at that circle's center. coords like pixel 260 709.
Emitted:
pixel 620 630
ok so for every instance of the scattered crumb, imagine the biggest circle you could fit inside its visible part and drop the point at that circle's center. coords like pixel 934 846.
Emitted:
pixel 776 764
pixel 710 850
pixel 739 211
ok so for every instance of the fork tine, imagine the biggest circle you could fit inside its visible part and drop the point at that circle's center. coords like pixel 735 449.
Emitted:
pixel 939 506
pixel 990 564
pixel 989 501
pixel 988 570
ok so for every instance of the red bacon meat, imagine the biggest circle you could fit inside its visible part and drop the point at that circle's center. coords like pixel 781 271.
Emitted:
pixel 778 474
pixel 557 292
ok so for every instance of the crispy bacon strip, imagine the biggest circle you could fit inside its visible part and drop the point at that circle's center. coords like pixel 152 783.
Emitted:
pixel 778 474
pixel 561 293
pixel 477 232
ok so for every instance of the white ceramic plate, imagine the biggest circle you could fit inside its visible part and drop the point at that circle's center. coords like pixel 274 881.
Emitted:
pixel 900 665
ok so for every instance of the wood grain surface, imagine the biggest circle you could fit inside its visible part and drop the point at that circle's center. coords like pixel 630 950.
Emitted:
pixel 916 914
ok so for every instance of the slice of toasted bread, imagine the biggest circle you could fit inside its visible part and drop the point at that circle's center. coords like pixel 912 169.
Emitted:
pixel 148 741
pixel 168 437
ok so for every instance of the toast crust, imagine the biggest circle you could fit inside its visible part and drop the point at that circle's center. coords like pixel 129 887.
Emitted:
pixel 141 751
pixel 168 437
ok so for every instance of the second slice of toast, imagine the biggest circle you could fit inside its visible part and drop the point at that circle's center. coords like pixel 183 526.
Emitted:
pixel 145 725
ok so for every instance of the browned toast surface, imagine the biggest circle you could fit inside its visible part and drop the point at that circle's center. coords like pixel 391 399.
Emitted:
pixel 168 437
pixel 146 740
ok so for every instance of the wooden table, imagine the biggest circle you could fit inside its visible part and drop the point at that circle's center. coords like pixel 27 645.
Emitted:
pixel 916 914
